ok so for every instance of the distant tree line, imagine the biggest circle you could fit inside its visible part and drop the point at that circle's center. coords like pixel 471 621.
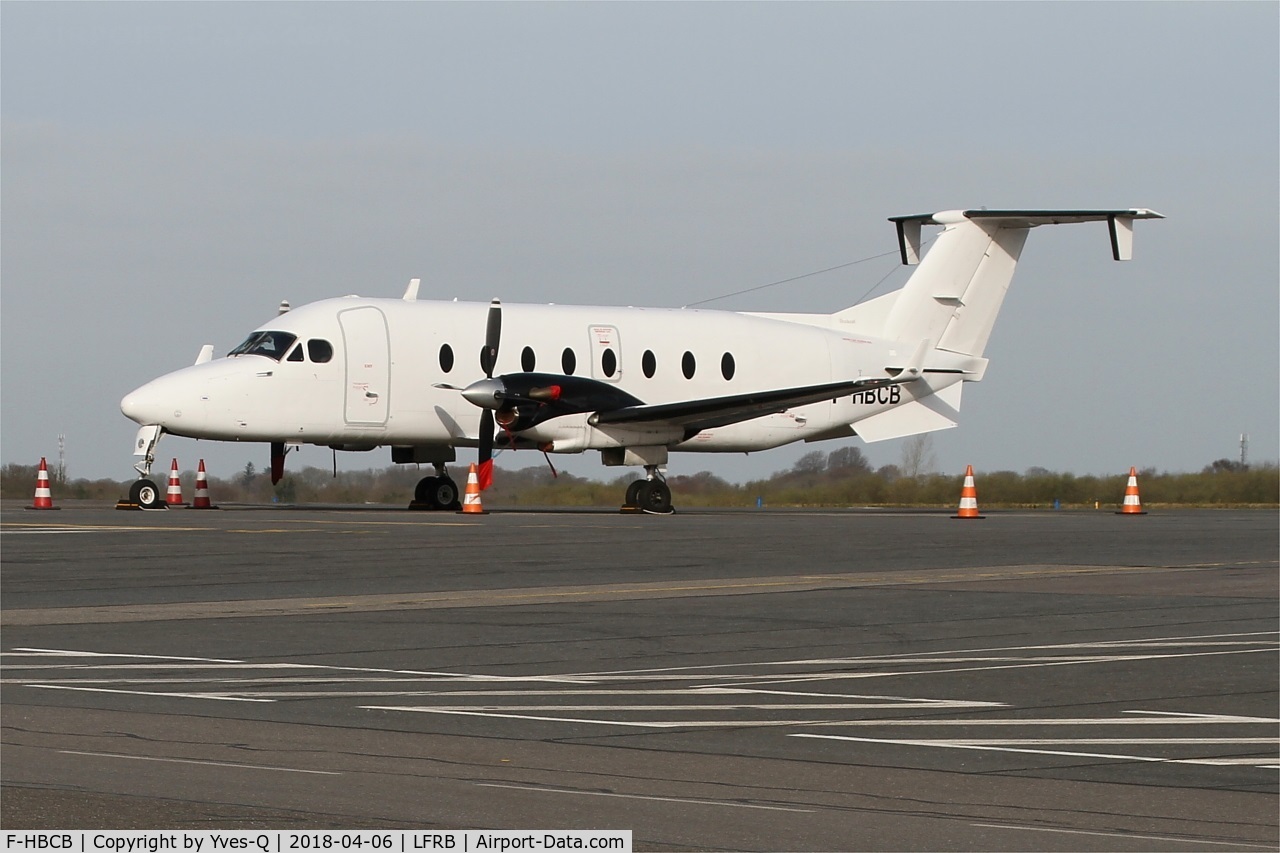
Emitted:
pixel 842 477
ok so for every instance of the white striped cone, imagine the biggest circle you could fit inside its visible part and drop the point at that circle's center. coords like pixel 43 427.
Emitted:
pixel 201 499
pixel 471 501
pixel 1132 503
pixel 174 495
pixel 968 497
pixel 44 497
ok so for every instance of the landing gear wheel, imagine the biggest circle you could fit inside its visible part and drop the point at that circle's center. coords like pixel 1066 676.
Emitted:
pixel 633 492
pixel 445 494
pixel 146 495
pixel 424 492
pixel 654 497
pixel 436 493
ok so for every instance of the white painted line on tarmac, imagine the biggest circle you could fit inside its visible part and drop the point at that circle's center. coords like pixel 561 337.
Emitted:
pixel 1198 720
pixel 197 761
pixel 643 797
pixel 952 744
pixel 659 724
pixel 149 693
pixel 79 654
pixel 907 657
pixel 430 710
pixel 1181 840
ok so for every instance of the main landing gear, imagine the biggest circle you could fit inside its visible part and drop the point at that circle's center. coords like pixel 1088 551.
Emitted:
pixel 436 493
pixel 651 495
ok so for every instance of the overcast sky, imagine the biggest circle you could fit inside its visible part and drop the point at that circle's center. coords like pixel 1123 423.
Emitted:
pixel 171 171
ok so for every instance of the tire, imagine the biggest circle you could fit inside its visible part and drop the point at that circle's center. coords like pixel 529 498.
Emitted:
pixel 146 494
pixel 654 497
pixel 425 492
pixel 445 494
pixel 633 492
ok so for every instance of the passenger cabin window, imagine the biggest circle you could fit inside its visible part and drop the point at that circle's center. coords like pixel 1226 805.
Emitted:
pixel 608 362
pixel 648 364
pixel 319 351
pixel 727 366
pixel 271 344
pixel 688 365
pixel 296 354
pixel 528 361
pixel 568 361
pixel 446 358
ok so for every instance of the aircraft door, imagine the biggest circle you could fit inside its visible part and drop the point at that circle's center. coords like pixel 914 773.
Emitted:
pixel 368 374
pixel 606 354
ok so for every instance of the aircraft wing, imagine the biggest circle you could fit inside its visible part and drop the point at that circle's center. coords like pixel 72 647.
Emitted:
pixel 708 413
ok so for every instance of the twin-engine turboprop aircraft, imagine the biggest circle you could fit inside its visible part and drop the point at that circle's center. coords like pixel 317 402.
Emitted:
pixel 428 377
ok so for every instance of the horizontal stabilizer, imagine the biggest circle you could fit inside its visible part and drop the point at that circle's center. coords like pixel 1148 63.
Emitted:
pixel 935 412
pixel 1120 223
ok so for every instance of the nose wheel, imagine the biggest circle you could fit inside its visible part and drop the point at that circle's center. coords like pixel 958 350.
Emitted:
pixel 146 495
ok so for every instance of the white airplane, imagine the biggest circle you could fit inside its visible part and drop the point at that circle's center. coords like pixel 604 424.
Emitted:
pixel 427 377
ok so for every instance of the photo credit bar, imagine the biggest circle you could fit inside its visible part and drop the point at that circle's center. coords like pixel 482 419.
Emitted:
pixel 298 841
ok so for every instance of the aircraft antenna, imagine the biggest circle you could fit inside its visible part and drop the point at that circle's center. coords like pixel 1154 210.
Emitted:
pixel 808 275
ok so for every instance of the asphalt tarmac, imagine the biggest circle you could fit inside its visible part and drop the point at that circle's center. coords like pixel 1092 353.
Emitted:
pixel 714 680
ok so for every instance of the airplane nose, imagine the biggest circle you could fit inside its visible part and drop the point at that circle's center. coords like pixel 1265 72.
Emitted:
pixel 141 406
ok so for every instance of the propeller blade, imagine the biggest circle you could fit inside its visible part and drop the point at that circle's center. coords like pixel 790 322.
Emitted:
pixel 492 338
pixel 486 435
pixel 485 466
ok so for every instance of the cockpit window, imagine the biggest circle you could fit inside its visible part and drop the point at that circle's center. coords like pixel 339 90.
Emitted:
pixel 296 354
pixel 271 344
pixel 319 350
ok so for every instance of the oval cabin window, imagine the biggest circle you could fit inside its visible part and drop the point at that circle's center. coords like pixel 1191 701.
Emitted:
pixel 648 364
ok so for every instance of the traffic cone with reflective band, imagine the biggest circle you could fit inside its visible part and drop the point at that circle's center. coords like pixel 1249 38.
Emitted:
pixel 174 495
pixel 968 497
pixel 201 499
pixel 471 501
pixel 44 497
pixel 1132 503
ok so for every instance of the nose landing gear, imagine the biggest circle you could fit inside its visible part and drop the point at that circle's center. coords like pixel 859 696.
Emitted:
pixel 144 493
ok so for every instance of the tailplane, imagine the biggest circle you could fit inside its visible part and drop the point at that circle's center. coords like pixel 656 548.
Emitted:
pixel 954 296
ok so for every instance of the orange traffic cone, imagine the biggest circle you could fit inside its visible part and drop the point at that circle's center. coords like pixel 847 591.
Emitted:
pixel 44 497
pixel 1132 503
pixel 471 501
pixel 968 497
pixel 201 499
pixel 174 495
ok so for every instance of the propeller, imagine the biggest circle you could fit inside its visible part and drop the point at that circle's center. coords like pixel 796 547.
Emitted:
pixel 488 358
pixel 520 401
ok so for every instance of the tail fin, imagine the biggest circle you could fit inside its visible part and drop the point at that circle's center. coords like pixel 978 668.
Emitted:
pixel 952 299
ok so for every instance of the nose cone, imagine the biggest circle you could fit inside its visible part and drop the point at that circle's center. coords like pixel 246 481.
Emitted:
pixel 485 393
pixel 142 405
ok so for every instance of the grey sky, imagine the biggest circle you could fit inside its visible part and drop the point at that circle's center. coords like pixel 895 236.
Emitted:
pixel 170 171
